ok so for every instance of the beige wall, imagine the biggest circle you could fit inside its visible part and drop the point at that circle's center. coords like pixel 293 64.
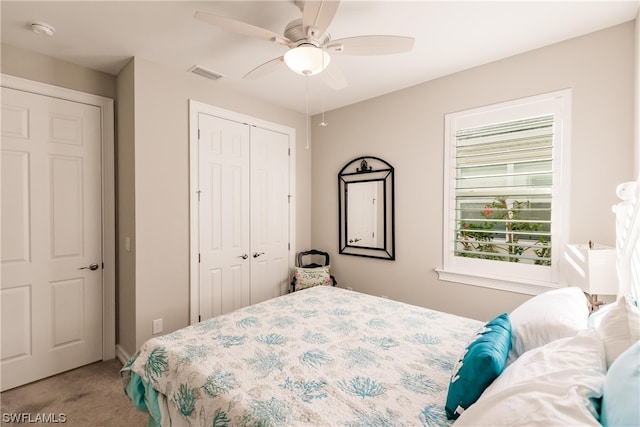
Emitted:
pixel 125 177
pixel 406 128
pixel 41 68
pixel 161 181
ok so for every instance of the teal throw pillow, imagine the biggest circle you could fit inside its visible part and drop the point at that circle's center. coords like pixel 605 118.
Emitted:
pixel 481 363
pixel 621 391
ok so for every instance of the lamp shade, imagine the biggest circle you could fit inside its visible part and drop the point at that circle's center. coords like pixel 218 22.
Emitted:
pixel 592 269
pixel 307 60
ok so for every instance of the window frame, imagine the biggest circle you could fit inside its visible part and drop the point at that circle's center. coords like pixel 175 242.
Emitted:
pixel 515 277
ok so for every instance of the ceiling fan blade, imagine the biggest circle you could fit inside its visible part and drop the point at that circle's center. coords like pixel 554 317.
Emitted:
pixel 371 45
pixel 239 27
pixel 333 77
pixel 264 69
pixel 318 14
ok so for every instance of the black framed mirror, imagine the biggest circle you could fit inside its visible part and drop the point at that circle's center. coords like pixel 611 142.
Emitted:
pixel 366 208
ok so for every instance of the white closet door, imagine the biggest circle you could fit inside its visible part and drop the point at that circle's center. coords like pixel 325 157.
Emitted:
pixel 224 215
pixel 269 214
pixel 51 227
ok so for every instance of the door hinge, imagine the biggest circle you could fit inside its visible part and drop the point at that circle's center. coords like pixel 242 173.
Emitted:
pixel 289 246
pixel 103 265
pixel 198 134
pixel 199 318
pixel 199 191
pixel 289 196
pixel 198 257
pixel 289 151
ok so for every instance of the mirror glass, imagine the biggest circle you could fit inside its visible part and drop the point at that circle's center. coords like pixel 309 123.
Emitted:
pixel 364 214
pixel 366 205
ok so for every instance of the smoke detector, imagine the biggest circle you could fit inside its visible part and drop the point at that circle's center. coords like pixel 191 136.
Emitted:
pixel 42 28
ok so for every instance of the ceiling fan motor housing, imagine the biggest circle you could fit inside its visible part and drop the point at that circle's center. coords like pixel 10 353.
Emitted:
pixel 295 32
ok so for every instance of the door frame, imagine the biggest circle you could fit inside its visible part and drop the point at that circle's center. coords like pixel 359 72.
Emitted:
pixel 108 194
pixel 195 108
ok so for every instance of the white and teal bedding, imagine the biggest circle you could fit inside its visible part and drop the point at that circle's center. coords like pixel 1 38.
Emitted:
pixel 321 356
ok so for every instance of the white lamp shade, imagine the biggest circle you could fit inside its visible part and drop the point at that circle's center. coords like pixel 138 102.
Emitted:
pixel 307 60
pixel 592 269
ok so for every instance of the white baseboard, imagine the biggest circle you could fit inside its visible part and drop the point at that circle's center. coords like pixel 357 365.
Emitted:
pixel 122 354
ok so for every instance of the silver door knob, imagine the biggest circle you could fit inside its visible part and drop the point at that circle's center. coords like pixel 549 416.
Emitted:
pixel 256 254
pixel 243 256
pixel 91 267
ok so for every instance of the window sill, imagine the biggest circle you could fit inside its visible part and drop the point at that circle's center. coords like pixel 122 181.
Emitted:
pixel 528 287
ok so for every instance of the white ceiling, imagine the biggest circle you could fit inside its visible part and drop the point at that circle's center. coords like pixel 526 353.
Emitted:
pixel 450 36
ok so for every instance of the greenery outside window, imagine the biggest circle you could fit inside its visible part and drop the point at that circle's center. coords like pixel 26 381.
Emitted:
pixel 505 168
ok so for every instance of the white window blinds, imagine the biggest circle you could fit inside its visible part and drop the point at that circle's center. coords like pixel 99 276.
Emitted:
pixel 503 191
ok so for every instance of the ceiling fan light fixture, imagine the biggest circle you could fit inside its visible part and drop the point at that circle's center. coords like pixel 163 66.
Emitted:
pixel 307 60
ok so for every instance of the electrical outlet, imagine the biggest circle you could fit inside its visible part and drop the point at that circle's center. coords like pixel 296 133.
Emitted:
pixel 157 326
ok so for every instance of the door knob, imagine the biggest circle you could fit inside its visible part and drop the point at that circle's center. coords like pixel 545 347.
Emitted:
pixel 256 254
pixel 91 267
pixel 243 256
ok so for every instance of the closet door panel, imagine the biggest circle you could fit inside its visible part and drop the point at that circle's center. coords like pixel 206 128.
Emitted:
pixel 224 215
pixel 269 214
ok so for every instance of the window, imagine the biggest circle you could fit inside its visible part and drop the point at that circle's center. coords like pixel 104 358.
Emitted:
pixel 503 219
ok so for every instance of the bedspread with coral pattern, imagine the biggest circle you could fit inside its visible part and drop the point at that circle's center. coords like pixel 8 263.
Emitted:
pixel 322 356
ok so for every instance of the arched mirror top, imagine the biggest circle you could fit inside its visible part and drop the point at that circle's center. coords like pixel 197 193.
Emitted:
pixel 364 165
pixel 366 208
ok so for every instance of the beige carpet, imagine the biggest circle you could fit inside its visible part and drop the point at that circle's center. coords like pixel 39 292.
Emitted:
pixel 91 396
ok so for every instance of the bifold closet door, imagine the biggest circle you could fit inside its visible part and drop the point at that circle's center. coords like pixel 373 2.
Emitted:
pixel 224 226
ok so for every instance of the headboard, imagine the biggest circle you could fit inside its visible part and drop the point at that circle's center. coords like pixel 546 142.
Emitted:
pixel 628 238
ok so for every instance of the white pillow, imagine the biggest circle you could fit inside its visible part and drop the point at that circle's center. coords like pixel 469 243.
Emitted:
pixel 596 317
pixel 619 328
pixel 547 317
pixel 555 384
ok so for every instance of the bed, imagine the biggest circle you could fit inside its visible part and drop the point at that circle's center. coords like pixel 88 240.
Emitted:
pixel 321 356
pixel 329 356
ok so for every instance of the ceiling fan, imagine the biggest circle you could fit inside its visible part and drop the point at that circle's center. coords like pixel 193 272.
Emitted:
pixel 309 42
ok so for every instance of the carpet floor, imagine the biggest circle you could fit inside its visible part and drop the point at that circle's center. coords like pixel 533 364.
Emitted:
pixel 90 396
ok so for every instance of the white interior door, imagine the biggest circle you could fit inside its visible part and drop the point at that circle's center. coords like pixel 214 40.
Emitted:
pixel 51 317
pixel 223 215
pixel 269 214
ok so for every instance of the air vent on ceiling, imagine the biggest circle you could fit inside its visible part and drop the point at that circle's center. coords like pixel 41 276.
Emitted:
pixel 201 71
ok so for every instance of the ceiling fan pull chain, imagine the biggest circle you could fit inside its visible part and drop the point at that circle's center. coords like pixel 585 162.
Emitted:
pixel 307 103
pixel 323 123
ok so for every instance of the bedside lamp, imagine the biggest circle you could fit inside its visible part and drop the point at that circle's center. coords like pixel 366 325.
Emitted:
pixel 592 269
